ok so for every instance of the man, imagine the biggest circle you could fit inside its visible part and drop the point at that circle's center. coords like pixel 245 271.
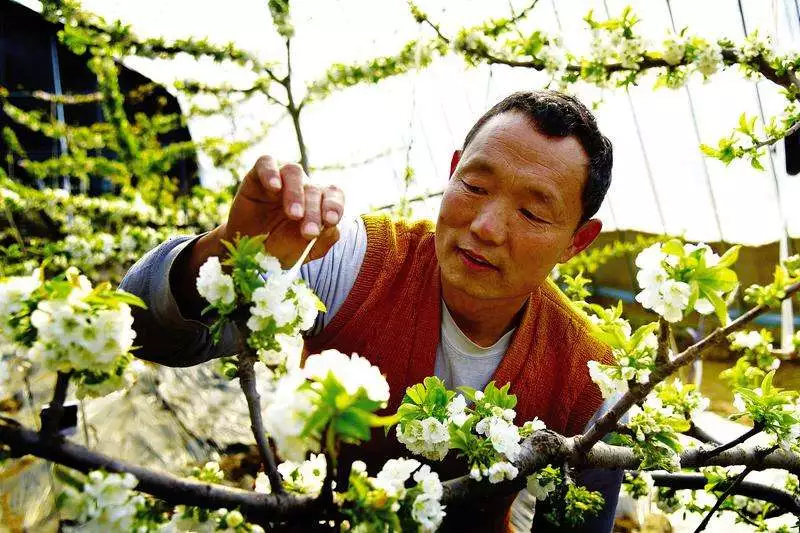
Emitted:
pixel 468 302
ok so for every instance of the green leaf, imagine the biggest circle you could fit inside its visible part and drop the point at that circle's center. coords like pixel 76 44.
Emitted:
pixel 720 308
pixel 673 247
pixel 744 125
pixel 766 385
pixel 130 299
pixel 729 257
pixel 709 151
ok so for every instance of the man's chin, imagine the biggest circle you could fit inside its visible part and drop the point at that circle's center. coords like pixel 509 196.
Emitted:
pixel 469 286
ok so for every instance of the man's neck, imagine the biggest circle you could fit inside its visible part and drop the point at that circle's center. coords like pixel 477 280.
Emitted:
pixel 482 321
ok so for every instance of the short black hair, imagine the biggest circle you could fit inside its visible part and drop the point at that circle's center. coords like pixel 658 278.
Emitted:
pixel 560 115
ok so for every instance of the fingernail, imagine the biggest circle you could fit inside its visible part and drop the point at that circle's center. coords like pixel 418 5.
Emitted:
pixel 296 210
pixel 311 229
pixel 275 183
pixel 331 217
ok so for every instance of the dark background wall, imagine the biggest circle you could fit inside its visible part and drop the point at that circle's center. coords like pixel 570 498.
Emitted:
pixel 31 58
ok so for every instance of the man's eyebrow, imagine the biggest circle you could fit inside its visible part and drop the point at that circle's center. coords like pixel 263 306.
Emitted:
pixel 542 195
pixel 480 165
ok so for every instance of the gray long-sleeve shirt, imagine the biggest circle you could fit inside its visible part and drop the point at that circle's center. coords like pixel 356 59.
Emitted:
pixel 165 335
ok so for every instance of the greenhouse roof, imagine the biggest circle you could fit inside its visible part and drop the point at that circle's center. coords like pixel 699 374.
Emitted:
pixel 662 182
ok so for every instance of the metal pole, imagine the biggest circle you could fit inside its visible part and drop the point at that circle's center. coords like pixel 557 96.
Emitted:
pixel 787 323
pixel 62 141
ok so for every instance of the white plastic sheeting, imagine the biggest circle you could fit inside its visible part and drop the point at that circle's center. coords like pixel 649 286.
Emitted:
pixel 661 180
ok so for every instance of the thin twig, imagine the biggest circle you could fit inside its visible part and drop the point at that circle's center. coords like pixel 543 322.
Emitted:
pixel 731 488
pixel 705 455
pixel 663 341
pixel 721 499
pixel 773 140
pixel 247 380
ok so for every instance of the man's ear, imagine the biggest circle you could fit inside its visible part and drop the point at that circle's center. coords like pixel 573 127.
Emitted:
pixel 582 238
pixel 454 161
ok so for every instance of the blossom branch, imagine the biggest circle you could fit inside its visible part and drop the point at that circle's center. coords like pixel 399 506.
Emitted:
pixel 547 447
pixel 637 392
pixel 784 78
pixel 247 380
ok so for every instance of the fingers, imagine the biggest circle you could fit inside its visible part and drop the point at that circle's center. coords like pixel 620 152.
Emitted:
pixel 332 205
pixel 266 169
pixel 310 227
pixel 316 209
pixel 293 194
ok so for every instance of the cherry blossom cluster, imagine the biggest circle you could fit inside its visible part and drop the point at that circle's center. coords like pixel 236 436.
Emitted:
pixel 386 502
pixel 330 387
pixel 676 279
pixel 66 325
pixel 280 305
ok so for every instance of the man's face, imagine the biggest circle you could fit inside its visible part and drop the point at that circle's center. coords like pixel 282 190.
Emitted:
pixel 510 210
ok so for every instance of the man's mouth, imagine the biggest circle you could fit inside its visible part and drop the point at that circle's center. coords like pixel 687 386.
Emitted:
pixel 475 260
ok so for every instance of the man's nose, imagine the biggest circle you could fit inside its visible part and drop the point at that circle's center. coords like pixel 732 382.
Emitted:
pixel 490 224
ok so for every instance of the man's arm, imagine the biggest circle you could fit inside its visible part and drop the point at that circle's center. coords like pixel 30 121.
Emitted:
pixel 165 332
pixel 171 334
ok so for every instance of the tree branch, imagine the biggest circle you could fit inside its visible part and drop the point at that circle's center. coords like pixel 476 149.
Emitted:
pixel 783 499
pixel 707 454
pixel 638 392
pixel 663 341
pixel 696 432
pixel 547 447
pixel 172 489
pixel 55 410
pixel 247 380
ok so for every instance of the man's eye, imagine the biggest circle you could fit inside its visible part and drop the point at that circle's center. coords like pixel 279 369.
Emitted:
pixel 530 216
pixel 472 188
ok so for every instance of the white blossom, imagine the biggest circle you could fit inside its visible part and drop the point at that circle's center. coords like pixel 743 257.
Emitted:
pixel 394 474
pixel 285 415
pixel 674 49
pixel 503 435
pixel 708 59
pixel 609 386
pixel 429 437
pixel 214 285
pixel 13 292
pixel 354 373
pixel 269 265
pixel 502 470
pixel 107 503
pixel 428 512
pixel 455 410
pixel 306 477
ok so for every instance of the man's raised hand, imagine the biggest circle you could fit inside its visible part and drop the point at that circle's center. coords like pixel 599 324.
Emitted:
pixel 280 202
